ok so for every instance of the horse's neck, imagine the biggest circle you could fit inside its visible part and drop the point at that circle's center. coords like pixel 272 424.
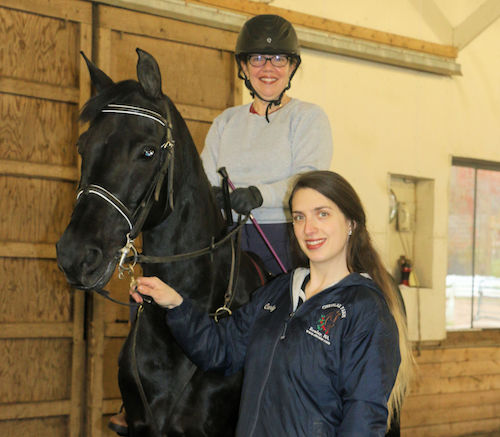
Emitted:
pixel 194 224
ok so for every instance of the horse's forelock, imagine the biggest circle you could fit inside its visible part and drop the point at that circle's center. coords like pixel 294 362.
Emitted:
pixel 118 93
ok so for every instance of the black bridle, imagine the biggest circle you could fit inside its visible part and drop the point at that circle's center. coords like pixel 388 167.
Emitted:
pixel 136 219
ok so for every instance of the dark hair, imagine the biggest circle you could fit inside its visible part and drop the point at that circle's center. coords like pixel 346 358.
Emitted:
pixel 363 258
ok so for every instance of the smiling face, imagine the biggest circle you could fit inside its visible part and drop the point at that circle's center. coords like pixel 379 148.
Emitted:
pixel 268 81
pixel 321 229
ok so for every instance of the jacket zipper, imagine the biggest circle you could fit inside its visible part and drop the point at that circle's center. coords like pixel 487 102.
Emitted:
pixel 259 399
pixel 283 333
pixel 268 370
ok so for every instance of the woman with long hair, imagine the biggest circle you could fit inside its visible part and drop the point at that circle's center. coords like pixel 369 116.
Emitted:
pixel 362 257
pixel 324 348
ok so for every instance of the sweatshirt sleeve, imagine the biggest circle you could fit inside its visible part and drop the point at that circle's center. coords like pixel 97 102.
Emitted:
pixel 370 360
pixel 214 346
pixel 209 154
pixel 311 148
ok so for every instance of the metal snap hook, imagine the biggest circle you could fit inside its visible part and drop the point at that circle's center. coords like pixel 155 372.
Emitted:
pixel 220 311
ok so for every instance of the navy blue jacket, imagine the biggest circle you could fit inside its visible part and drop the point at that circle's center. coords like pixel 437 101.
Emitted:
pixel 325 370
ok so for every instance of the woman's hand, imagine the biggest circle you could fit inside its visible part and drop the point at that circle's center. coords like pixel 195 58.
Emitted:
pixel 163 294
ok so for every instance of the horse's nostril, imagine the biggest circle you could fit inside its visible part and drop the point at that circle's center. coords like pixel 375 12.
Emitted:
pixel 92 259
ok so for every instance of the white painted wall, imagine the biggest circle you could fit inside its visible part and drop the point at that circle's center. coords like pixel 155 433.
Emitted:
pixel 388 120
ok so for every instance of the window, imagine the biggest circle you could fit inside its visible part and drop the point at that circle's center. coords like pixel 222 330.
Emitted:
pixel 473 277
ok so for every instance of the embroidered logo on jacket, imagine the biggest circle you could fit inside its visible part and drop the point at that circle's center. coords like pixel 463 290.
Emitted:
pixel 269 307
pixel 326 321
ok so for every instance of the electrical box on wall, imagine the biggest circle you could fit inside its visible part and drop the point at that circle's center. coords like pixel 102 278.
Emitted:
pixel 404 217
pixel 411 228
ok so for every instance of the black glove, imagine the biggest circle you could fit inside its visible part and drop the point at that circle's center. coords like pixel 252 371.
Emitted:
pixel 243 200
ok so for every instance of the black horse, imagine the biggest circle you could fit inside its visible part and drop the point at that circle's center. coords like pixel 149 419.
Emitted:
pixel 141 171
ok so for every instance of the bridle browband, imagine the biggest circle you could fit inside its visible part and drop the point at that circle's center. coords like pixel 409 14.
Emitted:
pixel 136 110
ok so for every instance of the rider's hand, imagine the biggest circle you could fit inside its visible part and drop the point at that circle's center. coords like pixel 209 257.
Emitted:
pixel 243 200
pixel 163 294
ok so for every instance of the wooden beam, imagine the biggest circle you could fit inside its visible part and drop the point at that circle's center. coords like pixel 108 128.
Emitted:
pixel 476 23
pixel 117 330
pixel 77 366
pixel 457 354
pixel 450 400
pixel 486 337
pixel 456 429
pixel 436 384
pixel 26 410
pixel 426 416
pixel 10 249
pixel 45 91
pixel 95 353
pixel 111 406
pixel 314 33
pixel 433 16
pixel 44 171
pixel 165 28
pixel 331 26
pixel 197 113
pixel 451 369
pixel 36 330
pixel 71 10
pixel 78 381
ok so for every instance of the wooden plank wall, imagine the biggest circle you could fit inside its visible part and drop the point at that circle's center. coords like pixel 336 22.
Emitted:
pixel 41 321
pixel 457 390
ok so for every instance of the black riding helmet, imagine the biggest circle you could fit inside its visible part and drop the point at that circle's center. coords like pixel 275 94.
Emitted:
pixel 267 34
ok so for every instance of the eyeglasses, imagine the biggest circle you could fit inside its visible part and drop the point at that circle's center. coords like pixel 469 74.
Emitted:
pixel 260 60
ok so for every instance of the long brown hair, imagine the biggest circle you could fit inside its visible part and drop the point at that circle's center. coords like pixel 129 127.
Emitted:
pixel 363 258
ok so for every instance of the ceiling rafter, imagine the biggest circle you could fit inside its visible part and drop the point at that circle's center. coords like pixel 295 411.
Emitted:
pixel 314 32
pixel 476 23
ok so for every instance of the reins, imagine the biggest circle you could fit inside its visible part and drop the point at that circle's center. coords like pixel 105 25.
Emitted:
pixel 147 259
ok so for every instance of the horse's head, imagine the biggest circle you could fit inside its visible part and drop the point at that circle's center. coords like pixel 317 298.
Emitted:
pixel 126 172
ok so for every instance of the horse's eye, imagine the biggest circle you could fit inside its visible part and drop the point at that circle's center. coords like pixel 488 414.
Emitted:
pixel 148 152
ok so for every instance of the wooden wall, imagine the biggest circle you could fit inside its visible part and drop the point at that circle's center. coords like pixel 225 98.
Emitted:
pixel 59 348
pixel 41 320
pixel 457 389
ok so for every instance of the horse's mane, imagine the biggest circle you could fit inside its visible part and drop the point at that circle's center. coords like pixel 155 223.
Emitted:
pixel 120 92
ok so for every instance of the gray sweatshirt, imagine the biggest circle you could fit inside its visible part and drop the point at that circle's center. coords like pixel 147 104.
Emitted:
pixel 297 139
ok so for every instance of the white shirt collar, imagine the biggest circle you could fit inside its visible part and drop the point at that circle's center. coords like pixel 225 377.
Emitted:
pixel 299 274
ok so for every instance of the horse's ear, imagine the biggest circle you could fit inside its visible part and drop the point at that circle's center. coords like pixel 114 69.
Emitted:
pixel 148 74
pixel 100 79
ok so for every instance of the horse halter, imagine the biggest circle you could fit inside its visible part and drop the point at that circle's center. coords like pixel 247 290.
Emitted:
pixel 135 219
